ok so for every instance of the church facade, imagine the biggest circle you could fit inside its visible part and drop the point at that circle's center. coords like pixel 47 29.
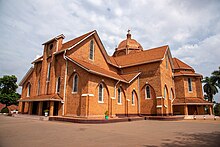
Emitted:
pixel 79 79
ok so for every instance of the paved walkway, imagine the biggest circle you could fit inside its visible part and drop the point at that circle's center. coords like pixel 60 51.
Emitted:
pixel 22 132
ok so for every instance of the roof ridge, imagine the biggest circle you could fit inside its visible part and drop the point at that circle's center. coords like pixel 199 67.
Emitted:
pixel 84 35
pixel 141 51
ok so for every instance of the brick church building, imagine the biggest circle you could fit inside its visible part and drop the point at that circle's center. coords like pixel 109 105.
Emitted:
pixel 78 78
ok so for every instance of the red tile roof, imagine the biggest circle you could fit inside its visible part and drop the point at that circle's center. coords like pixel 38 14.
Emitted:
pixel 146 56
pixel 38 60
pixel 186 73
pixel 130 76
pixel 191 101
pixel 74 41
pixel 96 69
pixel 178 64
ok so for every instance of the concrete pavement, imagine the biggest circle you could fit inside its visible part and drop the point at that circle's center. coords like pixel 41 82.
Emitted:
pixel 30 133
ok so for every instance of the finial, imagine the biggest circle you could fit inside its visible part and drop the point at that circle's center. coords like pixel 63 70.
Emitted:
pixel 129 31
pixel 129 34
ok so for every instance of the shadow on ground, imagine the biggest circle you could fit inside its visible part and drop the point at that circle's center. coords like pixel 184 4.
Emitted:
pixel 194 140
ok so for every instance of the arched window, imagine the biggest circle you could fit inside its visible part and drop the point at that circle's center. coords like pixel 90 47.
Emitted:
pixel 171 94
pixel 91 50
pixel 28 89
pixel 48 71
pixel 165 92
pixel 101 92
pixel 38 87
pixel 132 97
pixel 119 96
pixel 75 83
pixel 58 85
pixel 147 92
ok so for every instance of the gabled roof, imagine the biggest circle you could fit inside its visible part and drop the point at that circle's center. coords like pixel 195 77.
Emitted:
pixel 178 64
pixel 38 60
pixel 96 69
pixel 129 77
pixel 26 76
pixel 55 38
pixel 186 73
pixel 71 43
pixel 191 101
pixel 146 56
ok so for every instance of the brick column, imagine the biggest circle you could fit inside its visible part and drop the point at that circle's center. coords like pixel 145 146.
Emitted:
pixel 210 110
pixel 30 108
pixel 40 107
pixel 185 110
pixel 51 108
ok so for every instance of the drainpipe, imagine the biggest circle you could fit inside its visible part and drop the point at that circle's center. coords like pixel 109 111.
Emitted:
pixel 64 97
pixel 139 110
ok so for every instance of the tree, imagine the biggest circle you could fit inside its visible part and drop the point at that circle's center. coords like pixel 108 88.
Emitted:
pixel 217 109
pixel 216 76
pixel 8 86
pixel 210 88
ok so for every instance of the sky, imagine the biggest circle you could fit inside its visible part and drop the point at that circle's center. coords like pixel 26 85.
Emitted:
pixel 190 28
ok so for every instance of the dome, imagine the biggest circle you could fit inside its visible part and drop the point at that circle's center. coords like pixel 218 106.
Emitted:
pixel 129 43
pixel 128 46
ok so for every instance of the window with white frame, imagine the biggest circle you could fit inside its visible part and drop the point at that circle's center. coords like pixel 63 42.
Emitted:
pixel 101 92
pixel 28 89
pixel 133 97
pixel 58 85
pixel 190 84
pixel 147 92
pixel 75 83
pixel 91 50
pixel 48 71
pixel 119 96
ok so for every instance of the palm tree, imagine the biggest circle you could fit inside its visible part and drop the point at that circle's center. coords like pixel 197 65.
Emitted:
pixel 216 76
pixel 210 87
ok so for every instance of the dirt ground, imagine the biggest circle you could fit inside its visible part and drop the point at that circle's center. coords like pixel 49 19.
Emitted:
pixel 21 132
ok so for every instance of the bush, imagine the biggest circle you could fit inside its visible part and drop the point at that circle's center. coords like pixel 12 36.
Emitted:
pixel 217 109
pixel 5 110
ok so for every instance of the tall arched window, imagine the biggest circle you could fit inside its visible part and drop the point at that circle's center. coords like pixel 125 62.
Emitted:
pixel 132 97
pixel 101 92
pixel 75 83
pixel 119 96
pixel 38 87
pixel 91 50
pixel 28 89
pixel 171 94
pixel 165 92
pixel 48 71
pixel 58 85
pixel 147 92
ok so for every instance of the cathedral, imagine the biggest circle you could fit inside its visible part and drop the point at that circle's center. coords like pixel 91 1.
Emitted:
pixel 78 78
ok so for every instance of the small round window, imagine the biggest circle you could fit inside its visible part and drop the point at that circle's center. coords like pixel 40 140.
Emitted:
pixel 51 46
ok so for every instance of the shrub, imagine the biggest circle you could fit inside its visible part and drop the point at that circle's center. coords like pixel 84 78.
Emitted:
pixel 5 110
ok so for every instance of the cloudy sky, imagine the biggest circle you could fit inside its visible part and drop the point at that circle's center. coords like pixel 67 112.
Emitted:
pixel 190 28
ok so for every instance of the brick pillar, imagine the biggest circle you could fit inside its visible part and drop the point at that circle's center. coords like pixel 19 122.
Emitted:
pixel 30 108
pixel 40 107
pixel 185 110
pixel 210 110
pixel 51 108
